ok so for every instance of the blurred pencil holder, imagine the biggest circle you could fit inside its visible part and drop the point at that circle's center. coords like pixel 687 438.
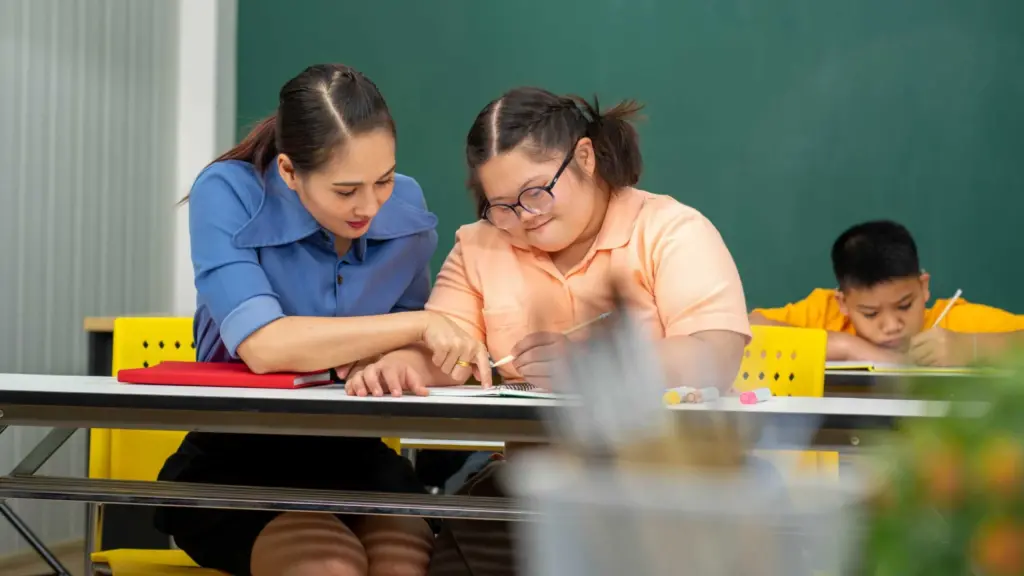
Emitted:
pixel 620 520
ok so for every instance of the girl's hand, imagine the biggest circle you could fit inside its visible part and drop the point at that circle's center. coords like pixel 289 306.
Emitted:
pixel 385 376
pixel 536 355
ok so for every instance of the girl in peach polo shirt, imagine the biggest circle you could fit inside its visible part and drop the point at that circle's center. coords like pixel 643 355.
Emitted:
pixel 553 181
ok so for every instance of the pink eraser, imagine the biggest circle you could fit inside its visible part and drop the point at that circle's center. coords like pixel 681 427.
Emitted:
pixel 755 396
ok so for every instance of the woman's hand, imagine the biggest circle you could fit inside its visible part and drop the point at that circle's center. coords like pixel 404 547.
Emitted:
pixel 456 353
pixel 536 355
pixel 389 375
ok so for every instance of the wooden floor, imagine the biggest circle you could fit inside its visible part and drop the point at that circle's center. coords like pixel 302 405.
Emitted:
pixel 28 563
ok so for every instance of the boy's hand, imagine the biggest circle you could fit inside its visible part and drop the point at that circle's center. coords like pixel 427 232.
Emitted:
pixel 940 347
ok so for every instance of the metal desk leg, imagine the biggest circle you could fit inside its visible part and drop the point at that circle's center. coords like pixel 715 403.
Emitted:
pixel 50 443
pixel 42 452
pixel 91 511
pixel 90 536
pixel 33 540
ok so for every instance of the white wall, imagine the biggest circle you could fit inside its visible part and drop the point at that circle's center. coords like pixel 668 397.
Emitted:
pixel 108 108
pixel 206 116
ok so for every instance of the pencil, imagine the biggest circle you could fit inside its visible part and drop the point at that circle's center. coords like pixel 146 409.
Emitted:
pixel 510 357
pixel 587 323
pixel 949 305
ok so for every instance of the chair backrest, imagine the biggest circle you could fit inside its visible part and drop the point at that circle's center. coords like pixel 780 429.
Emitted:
pixel 789 361
pixel 140 454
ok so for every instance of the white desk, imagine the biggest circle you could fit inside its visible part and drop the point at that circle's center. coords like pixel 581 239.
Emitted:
pixel 67 403
pixel 93 402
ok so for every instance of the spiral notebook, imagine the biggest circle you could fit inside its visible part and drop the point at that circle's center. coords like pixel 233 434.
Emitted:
pixel 506 390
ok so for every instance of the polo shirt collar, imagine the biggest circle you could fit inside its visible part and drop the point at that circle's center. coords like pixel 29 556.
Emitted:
pixel 620 219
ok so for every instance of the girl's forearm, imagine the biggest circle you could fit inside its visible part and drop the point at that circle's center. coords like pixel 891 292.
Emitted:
pixel 702 360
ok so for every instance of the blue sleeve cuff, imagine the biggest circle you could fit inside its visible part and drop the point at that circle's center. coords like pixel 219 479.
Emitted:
pixel 248 317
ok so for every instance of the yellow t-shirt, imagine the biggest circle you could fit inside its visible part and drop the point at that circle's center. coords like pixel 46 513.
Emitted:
pixel 821 310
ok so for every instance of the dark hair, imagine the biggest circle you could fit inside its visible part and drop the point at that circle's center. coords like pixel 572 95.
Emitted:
pixel 316 111
pixel 873 253
pixel 551 124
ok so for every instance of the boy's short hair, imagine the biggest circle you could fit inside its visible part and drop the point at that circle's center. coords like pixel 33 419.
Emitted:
pixel 873 253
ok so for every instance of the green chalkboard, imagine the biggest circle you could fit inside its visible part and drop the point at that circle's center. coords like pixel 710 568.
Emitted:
pixel 783 121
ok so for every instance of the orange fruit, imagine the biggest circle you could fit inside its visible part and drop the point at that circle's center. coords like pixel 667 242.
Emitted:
pixel 941 473
pixel 1001 466
pixel 998 548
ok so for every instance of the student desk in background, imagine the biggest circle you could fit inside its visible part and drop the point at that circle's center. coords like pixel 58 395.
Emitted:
pixel 862 383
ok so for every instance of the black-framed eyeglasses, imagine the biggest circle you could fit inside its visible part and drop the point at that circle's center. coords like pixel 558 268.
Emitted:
pixel 537 200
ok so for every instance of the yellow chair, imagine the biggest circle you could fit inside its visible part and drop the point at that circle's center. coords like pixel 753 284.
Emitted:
pixel 140 454
pixel 789 362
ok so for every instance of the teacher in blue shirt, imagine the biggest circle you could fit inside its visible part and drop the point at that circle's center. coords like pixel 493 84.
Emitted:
pixel 311 253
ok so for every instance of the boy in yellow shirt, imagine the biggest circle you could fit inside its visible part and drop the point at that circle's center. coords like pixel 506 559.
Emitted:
pixel 880 314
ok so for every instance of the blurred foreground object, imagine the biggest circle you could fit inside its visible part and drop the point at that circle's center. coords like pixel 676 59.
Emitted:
pixel 612 521
pixel 951 494
pixel 631 488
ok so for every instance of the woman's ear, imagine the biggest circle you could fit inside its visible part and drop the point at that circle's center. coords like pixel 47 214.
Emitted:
pixel 584 156
pixel 287 171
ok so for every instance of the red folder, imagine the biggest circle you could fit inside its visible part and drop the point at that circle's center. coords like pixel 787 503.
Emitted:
pixel 218 374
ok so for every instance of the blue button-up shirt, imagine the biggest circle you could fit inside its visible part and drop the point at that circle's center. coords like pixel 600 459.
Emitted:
pixel 259 255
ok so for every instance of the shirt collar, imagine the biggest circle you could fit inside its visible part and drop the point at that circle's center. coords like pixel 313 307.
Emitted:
pixel 620 219
pixel 282 219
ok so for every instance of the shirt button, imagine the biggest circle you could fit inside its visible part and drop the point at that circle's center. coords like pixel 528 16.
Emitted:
pixel 340 279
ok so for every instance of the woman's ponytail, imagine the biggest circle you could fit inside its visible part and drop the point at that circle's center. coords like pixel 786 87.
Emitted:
pixel 259 147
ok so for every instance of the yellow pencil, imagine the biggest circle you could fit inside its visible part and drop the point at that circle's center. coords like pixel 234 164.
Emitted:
pixel 949 305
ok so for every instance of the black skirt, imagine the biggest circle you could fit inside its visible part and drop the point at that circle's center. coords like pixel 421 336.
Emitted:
pixel 223 539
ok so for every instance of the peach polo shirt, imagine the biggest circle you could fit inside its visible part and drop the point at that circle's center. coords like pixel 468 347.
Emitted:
pixel 681 278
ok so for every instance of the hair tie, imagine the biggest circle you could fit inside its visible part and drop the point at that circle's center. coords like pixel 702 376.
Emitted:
pixel 589 117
